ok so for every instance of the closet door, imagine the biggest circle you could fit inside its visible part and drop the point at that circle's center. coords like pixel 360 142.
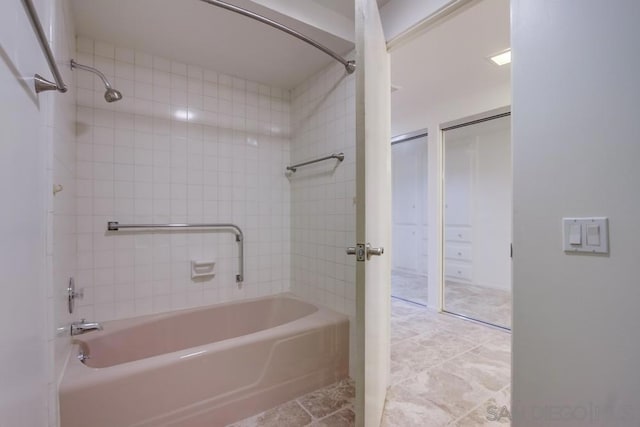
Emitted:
pixel 409 214
pixel 477 215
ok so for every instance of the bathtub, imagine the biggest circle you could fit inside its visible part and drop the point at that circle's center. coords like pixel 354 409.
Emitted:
pixel 208 366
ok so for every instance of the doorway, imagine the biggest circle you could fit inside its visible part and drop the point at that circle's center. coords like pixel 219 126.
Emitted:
pixel 409 279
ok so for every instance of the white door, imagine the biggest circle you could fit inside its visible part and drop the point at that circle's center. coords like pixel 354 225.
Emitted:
pixel 373 213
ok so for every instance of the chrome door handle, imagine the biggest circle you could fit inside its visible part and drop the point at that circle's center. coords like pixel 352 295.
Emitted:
pixel 364 252
pixel 374 251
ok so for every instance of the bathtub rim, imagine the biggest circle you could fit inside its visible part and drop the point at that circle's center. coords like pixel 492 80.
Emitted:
pixel 77 372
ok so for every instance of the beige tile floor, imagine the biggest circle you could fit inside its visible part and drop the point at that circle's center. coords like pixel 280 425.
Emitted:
pixel 331 406
pixel 445 371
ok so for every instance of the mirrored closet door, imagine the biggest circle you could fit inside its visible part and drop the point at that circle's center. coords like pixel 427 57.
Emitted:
pixel 409 216
pixel 477 218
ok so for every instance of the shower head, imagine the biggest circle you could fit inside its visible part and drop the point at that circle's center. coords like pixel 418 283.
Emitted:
pixel 111 94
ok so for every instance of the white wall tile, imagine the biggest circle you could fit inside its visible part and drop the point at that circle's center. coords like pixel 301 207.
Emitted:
pixel 161 154
pixel 322 195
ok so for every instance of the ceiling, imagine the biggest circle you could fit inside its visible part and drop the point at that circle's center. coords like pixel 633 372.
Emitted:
pixel 193 32
pixel 345 8
pixel 449 61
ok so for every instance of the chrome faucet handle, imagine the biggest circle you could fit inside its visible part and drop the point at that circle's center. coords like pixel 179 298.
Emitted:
pixel 73 294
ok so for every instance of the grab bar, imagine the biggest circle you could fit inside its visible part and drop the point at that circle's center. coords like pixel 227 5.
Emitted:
pixel 42 84
pixel 339 156
pixel 115 226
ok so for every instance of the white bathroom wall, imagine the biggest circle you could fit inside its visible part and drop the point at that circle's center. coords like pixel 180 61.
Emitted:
pixel 323 194
pixel 37 251
pixel 576 151
pixel 184 145
pixel 23 164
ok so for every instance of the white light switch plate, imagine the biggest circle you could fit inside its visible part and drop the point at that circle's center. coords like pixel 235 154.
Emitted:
pixel 597 242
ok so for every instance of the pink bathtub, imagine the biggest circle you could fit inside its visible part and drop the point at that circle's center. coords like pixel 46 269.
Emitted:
pixel 208 367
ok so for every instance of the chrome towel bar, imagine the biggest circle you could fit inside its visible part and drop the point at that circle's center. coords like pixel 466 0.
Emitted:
pixel 116 226
pixel 339 156
pixel 42 84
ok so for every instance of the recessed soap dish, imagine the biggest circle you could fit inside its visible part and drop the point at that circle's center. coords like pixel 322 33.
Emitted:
pixel 202 269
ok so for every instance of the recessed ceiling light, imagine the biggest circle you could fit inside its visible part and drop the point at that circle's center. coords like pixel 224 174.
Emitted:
pixel 502 58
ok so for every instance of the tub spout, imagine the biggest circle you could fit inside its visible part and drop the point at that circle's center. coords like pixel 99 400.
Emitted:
pixel 83 326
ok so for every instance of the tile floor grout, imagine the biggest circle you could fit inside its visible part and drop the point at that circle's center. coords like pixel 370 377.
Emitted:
pixel 297 400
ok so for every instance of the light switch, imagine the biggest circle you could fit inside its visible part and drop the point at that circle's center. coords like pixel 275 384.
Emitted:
pixel 593 235
pixel 575 234
pixel 586 235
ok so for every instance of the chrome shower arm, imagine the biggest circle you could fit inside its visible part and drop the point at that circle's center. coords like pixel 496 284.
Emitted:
pixel 74 64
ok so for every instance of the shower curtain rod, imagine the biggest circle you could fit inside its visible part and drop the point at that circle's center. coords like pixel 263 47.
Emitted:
pixel 42 84
pixel 350 66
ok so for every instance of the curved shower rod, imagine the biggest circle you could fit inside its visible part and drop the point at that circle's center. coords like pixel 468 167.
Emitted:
pixel 350 66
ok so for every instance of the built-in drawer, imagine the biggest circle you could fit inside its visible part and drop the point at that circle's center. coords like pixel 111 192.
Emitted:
pixel 458 271
pixel 457 234
pixel 461 252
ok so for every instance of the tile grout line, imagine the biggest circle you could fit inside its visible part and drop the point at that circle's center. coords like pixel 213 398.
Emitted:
pixel 304 409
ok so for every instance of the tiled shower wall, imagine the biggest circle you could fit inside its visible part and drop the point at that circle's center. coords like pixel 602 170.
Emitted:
pixel 184 145
pixel 323 195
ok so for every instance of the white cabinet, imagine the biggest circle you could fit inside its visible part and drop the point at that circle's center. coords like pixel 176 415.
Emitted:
pixel 458 253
